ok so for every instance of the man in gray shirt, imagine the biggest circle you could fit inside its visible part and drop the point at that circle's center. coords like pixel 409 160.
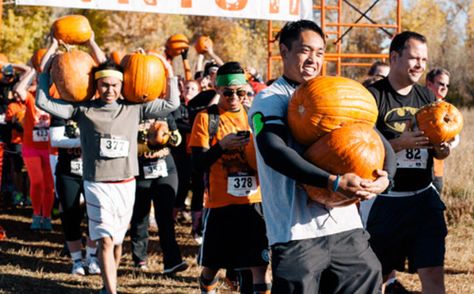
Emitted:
pixel 314 248
pixel 109 128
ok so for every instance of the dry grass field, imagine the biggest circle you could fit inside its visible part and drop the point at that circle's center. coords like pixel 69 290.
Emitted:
pixel 31 262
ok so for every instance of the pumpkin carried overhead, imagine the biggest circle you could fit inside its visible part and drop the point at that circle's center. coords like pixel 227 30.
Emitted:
pixel 72 74
pixel 355 148
pixel 440 121
pixel 176 44
pixel 323 104
pixel 144 77
pixel 72 29
pixel 37 58
pixel 203 44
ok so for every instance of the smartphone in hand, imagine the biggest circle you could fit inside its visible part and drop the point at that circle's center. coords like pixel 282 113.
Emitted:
pixel 245 134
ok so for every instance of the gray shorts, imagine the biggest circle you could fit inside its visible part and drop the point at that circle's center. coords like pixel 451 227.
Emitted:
pixel 338 263
pixel 109 209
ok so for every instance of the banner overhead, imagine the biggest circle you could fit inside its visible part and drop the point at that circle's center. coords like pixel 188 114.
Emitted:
pixel 284 10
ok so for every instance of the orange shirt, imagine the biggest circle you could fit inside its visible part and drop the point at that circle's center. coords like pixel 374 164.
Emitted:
pixel 14 109
pixel 35 126
pixel 235 169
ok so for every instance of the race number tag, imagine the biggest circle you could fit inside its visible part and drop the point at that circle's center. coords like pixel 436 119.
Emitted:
pixel 113 148
pixel 412 158
pixel 40 135
pixel 2 119
pixel 155 169
pixel 241 185
pixel 76 166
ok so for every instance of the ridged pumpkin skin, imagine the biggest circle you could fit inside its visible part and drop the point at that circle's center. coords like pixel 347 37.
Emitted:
pixel 176 44
pixel 203 44
pixel 144 77
pixel 327 103
pixel 158 133
pixel 355 148
pixel 440 121
pixel 117 56
pixel 72 75
pixel 37 58
pixel 72 29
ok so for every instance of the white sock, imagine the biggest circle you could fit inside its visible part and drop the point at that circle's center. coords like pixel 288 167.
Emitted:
pixel 389 281
pixel 76 256
pixel 90 252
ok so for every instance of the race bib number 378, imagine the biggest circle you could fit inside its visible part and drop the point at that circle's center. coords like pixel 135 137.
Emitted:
pixel 241 186
pixel 113 148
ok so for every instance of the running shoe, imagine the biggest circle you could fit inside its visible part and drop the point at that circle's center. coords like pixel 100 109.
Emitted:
pixel 78 268
pixel 46 224
pixel 17 199
pixel 93 267
pixel 36 223
pixel 396 288
pixel 177 268
pixel 141 266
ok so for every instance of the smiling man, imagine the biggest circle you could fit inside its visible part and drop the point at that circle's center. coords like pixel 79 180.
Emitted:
pixel 408 222
pixel 315 249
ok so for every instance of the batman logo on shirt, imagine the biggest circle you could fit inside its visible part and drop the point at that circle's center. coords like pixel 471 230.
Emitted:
pixel 397 119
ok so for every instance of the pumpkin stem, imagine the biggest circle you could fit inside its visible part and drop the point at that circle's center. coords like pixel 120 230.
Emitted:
pixel 140 50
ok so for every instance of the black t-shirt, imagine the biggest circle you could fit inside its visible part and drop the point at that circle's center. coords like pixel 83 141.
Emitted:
pixel 5 89
pixel 413 165
pixel 151 164
pixel 68 158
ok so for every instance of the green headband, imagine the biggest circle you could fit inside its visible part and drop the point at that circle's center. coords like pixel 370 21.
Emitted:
pixel 230 80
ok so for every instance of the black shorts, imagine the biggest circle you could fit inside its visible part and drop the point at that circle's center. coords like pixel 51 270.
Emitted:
pixel 410 228
pixel 234 237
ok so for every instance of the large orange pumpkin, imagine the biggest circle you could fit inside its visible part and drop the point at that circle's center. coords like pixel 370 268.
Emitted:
pixel 37 58
pixel 72 75
pixel 72 29
pixel 3 59
pixel 158 133
pixel 440 121
pixel 144 77
pixel 176 44
pixel 117 56
pixel 203 44
pixel 327 103
pixel 355 148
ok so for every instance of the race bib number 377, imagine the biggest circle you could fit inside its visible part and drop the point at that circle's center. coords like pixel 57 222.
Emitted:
pixel 113 148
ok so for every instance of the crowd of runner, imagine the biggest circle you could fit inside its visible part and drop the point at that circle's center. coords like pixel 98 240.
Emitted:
pixel 245 219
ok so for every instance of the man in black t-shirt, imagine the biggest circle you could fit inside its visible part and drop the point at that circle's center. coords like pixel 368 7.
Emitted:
pixel 408 222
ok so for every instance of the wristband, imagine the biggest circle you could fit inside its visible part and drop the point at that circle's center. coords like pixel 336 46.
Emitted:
pixel 335 185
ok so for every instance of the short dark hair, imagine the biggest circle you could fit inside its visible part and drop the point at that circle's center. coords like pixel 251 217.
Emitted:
pixel 109 64
pixel 291 31
pixel 432 74
pixel 374 66
pixel 399 41
pixel 231 67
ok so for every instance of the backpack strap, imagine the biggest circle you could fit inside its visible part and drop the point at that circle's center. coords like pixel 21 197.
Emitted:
pixel 213 125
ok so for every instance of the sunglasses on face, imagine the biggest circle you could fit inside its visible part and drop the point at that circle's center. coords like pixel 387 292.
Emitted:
pixel 229 93
pixel 443 85
pixel 251 94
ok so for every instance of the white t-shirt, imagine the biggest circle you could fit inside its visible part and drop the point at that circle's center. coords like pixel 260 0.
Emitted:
pixel 289 214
